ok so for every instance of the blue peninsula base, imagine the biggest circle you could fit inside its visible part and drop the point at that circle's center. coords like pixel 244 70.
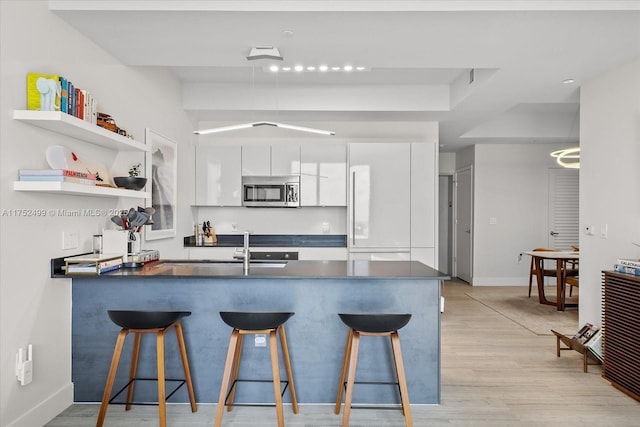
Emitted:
pixel 315 333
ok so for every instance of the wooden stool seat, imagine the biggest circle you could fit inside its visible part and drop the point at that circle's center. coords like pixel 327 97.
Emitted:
pixel 251 323
pixel 371 325
pixel 146 322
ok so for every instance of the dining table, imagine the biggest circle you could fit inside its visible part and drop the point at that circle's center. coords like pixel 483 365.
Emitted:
pixel 561 259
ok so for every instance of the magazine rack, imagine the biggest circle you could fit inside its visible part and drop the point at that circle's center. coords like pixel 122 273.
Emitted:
pixel 572 344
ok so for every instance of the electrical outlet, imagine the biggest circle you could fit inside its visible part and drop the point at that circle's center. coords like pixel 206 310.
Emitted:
pixel 326 228
pixel 604 231
pixel 260 340
pixel 70 240
pixel 234 226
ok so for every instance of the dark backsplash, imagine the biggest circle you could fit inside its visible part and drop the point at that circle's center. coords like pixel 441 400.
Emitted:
pixel 277 240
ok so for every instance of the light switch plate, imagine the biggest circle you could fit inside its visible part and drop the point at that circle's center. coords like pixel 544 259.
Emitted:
pixel 70 240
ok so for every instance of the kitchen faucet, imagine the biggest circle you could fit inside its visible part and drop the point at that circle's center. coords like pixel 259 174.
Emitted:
pixel 245 254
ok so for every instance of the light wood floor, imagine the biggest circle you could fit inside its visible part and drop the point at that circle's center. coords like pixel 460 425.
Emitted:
pixel 494 373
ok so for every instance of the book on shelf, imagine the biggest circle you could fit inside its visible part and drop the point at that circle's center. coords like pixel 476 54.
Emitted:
pixel 56 172
pixel 620 268
pixel 629 262
pixel 57 178
pixel 64 95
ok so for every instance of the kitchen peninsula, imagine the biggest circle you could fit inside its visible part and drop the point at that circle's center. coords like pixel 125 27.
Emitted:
pixel 315 290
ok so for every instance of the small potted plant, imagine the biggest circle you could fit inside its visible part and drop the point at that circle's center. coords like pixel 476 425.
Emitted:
pixel 134 181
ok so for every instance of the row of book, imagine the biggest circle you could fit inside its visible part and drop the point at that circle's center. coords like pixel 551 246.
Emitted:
pixel 56 175
pixel 90 265
pixel 628 266
pixel 50 92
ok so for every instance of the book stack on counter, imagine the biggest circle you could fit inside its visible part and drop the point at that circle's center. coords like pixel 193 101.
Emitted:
pixel 57 175
pixel 93 264
pixel 628 266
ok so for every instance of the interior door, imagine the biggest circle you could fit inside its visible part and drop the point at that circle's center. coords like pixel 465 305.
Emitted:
pixel 445 223
pixel 563 208
pixel 463 260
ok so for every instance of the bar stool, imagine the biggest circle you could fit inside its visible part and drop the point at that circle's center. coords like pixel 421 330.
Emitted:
pixel 372 325
pixel 146 322
pixel 251 323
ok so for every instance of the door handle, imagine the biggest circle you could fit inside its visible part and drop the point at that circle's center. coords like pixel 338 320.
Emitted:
pixel 554 233
pixel 468 231
pixel 353 208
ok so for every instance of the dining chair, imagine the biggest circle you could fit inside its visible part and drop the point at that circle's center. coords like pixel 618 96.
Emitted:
pixel 533 272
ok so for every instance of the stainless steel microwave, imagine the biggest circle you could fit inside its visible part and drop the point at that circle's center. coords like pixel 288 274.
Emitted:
pixel 271 191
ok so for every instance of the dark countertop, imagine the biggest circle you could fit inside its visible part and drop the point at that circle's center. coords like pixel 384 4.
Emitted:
pixel 275 240
pixel 359 269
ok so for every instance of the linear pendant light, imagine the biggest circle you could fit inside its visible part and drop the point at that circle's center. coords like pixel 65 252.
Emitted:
pixel 256 124
pixel 263 52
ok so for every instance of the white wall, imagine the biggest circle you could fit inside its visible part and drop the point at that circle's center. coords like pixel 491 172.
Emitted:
pixel 35 308
pixel 510 185
pixel 609 178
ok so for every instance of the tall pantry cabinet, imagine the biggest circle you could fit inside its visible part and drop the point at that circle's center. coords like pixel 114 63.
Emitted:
pixel 391 201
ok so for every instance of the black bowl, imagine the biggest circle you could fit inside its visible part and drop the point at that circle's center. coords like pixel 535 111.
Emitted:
pixel 130 182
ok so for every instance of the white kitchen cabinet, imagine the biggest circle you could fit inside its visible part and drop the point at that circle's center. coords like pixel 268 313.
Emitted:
pixel 396 255
pixel 379 195
pixel 423 195
pixel 323 175
pixel 285 160
pixel 424 255
pixel 322 254
pixel 256 160
pixel 271 160
pixel 218 176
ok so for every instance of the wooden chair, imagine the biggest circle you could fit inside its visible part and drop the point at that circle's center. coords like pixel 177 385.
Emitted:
pixel 533 272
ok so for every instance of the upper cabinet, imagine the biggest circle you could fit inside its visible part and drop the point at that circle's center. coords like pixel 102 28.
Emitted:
pixel 270 160
pixel 379 195
pixel 323 175
pixel 218 176
pixel 68 125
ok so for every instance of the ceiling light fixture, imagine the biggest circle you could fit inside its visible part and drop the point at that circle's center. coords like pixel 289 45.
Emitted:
pixel 264 52
pixel 264 123
pixel 257 124
pixel 571 154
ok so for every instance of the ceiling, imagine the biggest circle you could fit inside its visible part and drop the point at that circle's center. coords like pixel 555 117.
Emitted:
pixel 488 71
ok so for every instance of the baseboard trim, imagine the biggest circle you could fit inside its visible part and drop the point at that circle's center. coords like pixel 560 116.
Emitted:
pixel 46 410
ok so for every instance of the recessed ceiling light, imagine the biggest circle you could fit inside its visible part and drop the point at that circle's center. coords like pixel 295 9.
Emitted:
pixel 348 67
pixel 311 68
pixel 287 33
pixel 323 68
pixel 298 68
pixel 286 68
pixel 568 81
pixel 335 68
pixel 273 68
pixel 360 68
